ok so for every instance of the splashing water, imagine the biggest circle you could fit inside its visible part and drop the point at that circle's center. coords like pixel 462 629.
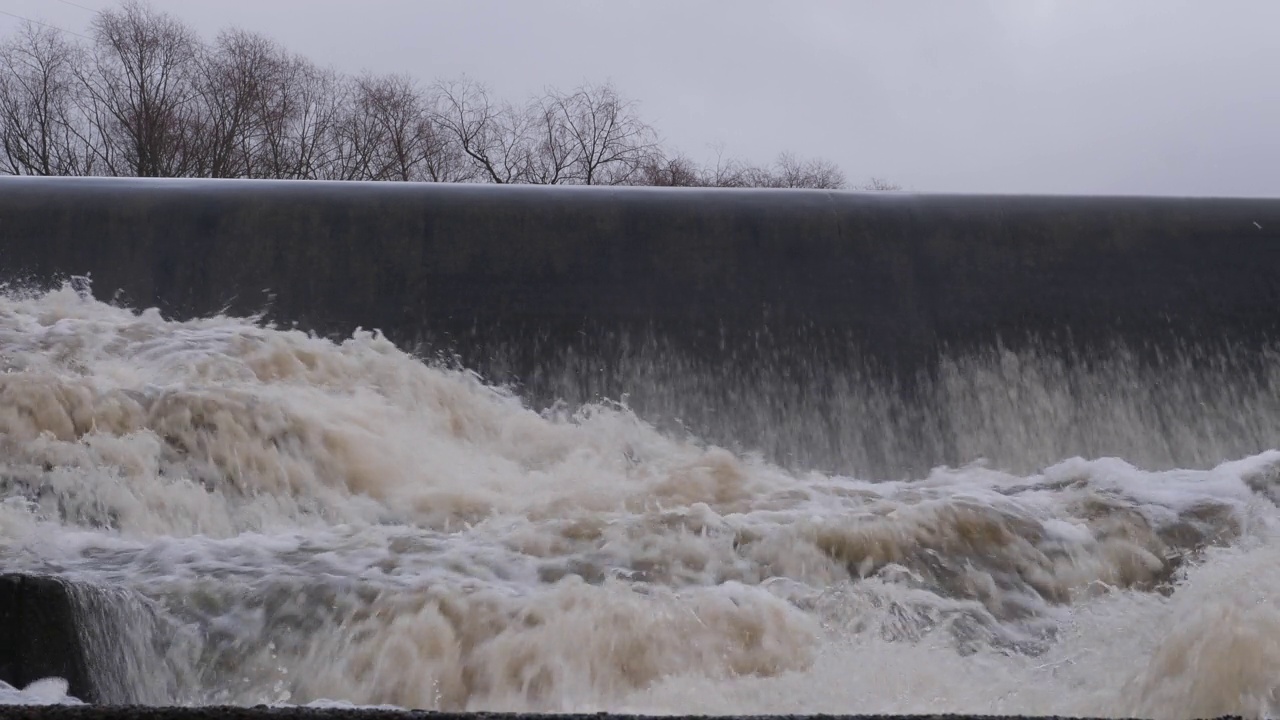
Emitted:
pixel 277 518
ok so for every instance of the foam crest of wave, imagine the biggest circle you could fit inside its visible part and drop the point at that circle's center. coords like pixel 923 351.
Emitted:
pixel 341 521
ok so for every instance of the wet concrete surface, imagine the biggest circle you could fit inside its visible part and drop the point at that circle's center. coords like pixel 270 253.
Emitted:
pixel 897 276
pixel 39 635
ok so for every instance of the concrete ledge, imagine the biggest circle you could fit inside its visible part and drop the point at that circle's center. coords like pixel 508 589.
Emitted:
pixel 108 643
pixel 40 635
pixel 897 275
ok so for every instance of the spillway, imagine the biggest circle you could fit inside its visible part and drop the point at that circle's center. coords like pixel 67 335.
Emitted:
pixel 637 450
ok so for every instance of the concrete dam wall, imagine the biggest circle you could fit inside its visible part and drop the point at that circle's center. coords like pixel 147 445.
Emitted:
pixel 760 319
pixel 898 276
pixel 189 522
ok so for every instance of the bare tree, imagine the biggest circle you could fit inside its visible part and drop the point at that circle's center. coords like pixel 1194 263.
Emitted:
pixel 658 170
pixel 355 137
pixel 604 140
pixel 540 135
pixel 494 136
pixel 148 98
pixel 588 136
pixel 880 185
pixel 727 173
pixel 388 131
pixel 299 115
pixel 445 159
pixel 142 89
pixel 786 172
pixel 234 79
pixel 396 106
pixel 42 128
pixel 790 172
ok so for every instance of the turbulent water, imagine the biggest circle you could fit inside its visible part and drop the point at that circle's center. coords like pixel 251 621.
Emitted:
pixel 261 516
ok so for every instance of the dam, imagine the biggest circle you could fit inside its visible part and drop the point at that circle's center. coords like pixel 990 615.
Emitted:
pixel 898 276
pixel 638 450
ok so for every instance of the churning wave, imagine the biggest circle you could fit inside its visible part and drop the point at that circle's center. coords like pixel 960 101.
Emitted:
pixel 278 518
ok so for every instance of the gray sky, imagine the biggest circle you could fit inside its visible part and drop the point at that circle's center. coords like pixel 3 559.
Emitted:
pixel 1057 96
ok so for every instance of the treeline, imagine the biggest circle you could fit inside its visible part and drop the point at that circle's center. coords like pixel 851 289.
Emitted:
pixel 145 96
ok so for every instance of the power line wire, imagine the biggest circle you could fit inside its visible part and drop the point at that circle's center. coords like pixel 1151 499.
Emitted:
pixel 82 7
pixel 44 24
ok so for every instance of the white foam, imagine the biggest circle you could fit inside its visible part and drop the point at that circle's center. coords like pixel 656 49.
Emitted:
pixel 48 691
pixel 343 525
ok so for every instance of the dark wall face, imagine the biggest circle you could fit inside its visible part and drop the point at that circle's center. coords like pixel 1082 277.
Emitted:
pixel 896 276
pixel 756 319
pixel 39 635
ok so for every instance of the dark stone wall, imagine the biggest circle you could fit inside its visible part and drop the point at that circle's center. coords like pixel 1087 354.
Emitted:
pixel 40 635
pixel 895 276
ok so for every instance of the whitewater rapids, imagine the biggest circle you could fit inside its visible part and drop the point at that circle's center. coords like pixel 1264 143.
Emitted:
pixel 287 520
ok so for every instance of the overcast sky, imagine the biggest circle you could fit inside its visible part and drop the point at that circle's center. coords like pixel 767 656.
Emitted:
pixel 1056 96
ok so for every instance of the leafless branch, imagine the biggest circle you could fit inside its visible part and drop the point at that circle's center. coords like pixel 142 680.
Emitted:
pixel 146 97
pixel 43 130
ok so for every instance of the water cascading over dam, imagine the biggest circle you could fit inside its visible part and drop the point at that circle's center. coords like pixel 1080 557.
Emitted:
pixel 640 450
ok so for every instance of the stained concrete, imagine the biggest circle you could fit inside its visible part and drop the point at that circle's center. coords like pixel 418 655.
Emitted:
pixel 40 635
pixel 897 277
